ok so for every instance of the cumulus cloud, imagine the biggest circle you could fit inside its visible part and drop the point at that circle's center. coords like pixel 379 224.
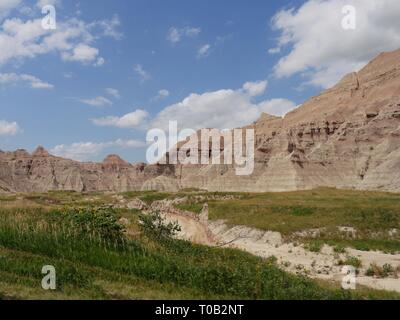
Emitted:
pixel 255 88
pixel 222 109
pixel 13 78
pixel 84 151
pixel 204 51
pixel 322 50
pixel 97 102
pixel 73 40
pixel 131 120
pixel 175 35
pixel 9 128
pixel 83 53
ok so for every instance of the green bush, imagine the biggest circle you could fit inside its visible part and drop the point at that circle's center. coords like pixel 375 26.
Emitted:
pixel 353 261
pixel 99 222
pixel 315 246
pixel 339 249
pixel 154 226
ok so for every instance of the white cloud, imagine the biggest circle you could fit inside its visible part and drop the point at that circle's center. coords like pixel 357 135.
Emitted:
pixel 222 109
pixel 84 151
pixel 73 40
pixel 109 27
pixel 113 92
pixel 97 102
pixel 13 78
pixel 204 51
pixel 99 62
pixel 175 35
pixel 136 119
pixel 277 107
pixel 162 94
pixel 255 88
pixel 7 5
pixel 82 53
pixel 142 73
pixel 321 50
pixel 192 32
pixel 8 128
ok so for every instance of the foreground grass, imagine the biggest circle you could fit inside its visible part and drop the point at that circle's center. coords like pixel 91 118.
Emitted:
pixel 91 266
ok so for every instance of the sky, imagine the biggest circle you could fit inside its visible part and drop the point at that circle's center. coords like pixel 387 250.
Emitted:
pixel 111 70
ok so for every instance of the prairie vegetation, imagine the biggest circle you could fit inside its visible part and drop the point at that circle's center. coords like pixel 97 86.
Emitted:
pixel 97 257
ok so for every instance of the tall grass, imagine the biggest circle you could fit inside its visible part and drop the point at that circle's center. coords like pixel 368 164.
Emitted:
pixel 52 238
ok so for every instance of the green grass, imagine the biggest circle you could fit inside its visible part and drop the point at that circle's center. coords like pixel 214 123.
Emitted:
pixel 91 266
pixel 192 207
pixel 147 196
pixel 372 214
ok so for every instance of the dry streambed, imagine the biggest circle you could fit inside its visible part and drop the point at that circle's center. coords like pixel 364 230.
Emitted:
pixel 291 257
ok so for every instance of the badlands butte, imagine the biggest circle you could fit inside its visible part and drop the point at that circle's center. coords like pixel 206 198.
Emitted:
pixel 347 137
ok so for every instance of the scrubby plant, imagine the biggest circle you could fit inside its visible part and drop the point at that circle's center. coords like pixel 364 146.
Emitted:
pixel 381 272
pixel 315 246
pixel 387 269
pixel 101 222
pixel 339 249
pixel 351 261
pixel 154 225
pixel 272 260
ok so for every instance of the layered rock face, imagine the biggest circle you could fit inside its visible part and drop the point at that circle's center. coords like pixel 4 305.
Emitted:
pixel 41 172
pixel 347 137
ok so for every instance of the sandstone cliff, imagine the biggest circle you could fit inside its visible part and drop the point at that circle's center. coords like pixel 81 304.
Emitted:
pixel 347 137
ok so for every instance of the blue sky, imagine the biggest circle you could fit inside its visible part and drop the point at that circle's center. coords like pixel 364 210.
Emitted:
pixel 114 69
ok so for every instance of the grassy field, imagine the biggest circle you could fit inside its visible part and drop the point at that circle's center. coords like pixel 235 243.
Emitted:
pixel 94 259
pixel 372 214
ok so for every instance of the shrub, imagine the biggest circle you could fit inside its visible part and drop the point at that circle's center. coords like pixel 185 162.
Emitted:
pixel 315 246
pixel 339 249
pixel 352 261
pixel 154 226
pixel 387 269
pixel 272 260
pixel 382 272
pixel 99 222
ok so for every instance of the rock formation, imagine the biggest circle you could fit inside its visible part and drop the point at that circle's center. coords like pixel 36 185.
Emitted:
pixel 42 172
pixel 347 137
